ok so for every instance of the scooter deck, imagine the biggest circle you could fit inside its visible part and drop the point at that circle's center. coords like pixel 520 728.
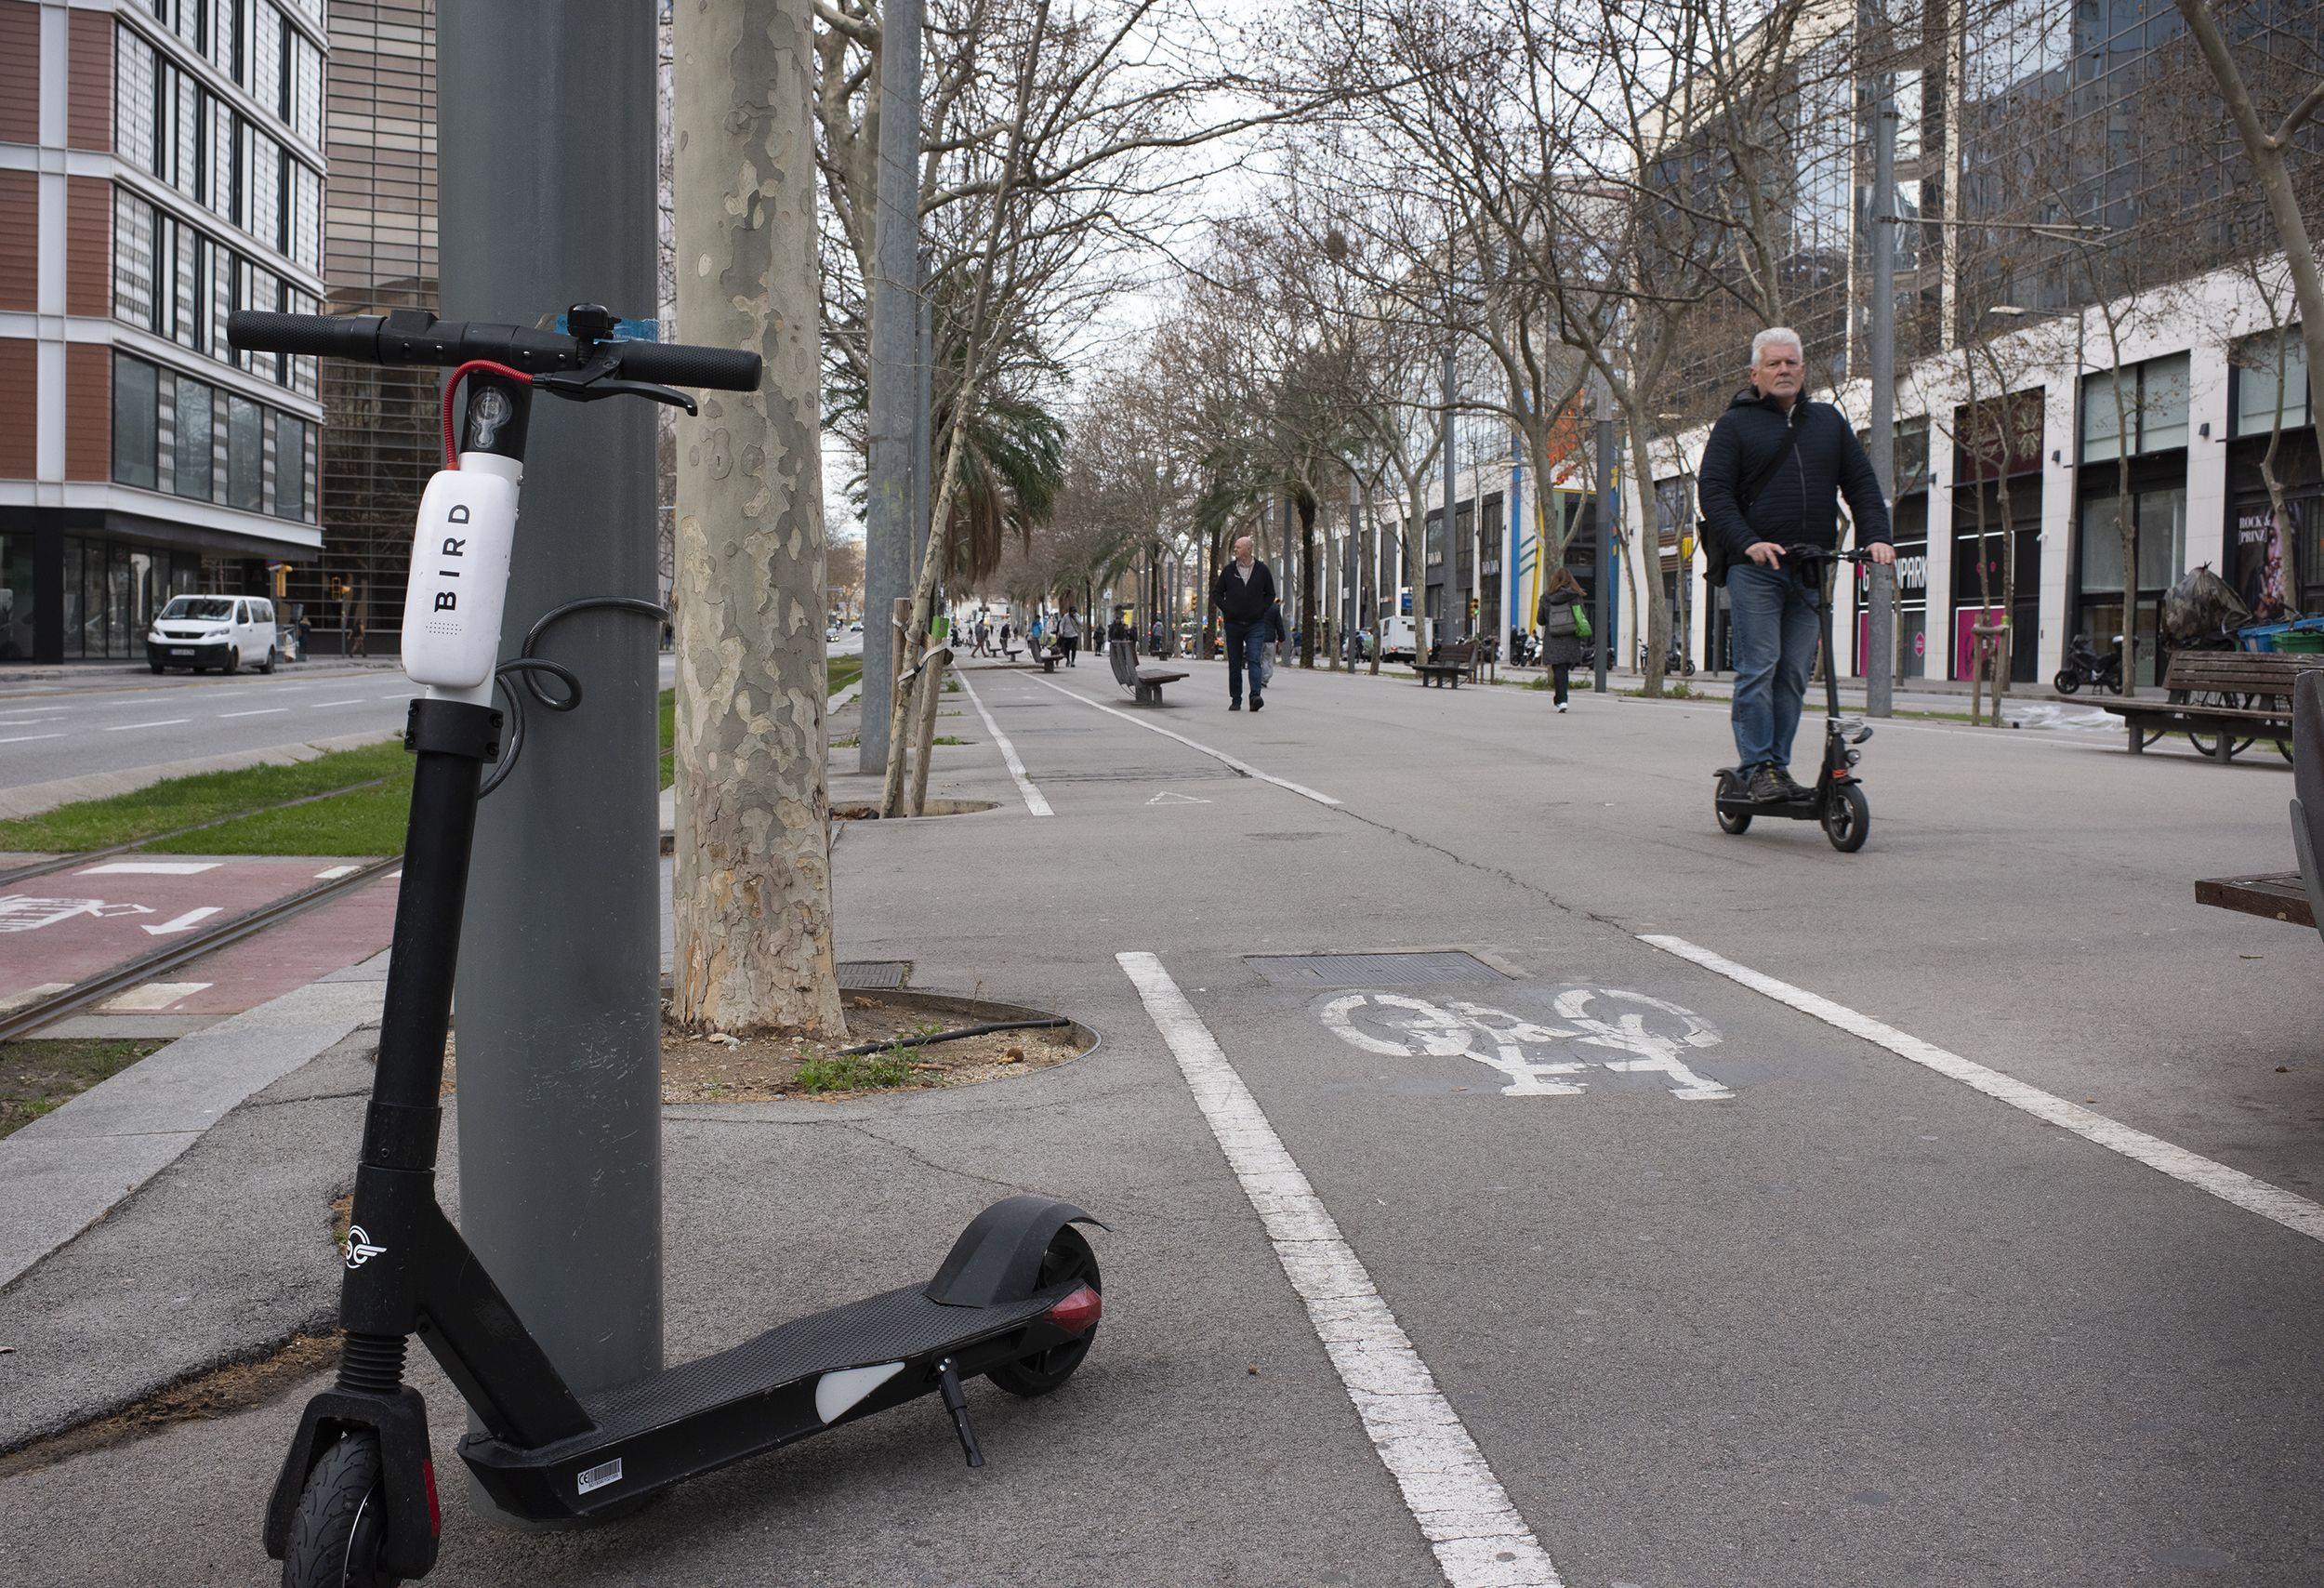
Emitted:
pixel 1801 810
pixel 753 1397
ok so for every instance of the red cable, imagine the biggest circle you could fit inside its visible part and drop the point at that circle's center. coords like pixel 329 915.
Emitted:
pixel 451 457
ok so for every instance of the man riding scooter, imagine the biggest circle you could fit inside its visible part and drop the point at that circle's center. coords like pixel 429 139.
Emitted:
pixel 1772 473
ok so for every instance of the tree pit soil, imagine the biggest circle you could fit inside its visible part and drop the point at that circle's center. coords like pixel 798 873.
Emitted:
pixel 931 807
pixel 696 1067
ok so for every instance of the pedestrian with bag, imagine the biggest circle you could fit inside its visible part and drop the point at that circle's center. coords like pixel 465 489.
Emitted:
pixel 1244 595
pixel 1772 475
pixel 1565 630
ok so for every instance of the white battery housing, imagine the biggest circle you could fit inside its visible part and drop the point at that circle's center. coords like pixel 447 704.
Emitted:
pixel 468 526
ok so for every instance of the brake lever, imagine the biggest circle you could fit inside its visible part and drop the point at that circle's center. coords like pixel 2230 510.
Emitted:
pixel 599 378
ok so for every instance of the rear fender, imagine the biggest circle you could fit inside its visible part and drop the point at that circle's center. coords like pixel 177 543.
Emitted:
pixel 997 1258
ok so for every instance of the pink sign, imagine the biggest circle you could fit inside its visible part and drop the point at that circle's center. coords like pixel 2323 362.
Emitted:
pixel 1964 643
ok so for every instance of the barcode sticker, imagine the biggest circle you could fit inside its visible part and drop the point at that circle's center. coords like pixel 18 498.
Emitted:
pixel 599 1476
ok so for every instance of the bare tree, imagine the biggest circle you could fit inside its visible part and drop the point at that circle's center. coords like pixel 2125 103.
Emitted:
pixel 753 886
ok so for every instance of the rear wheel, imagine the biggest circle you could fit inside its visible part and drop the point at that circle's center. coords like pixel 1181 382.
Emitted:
pixel 1847 818
pixel 268 666
pixel 342 1522
pixel 1067 1259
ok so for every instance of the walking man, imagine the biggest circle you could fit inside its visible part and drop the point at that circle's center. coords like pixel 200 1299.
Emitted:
pixel 1068 632
pixel 1772 473
pixel 1245 596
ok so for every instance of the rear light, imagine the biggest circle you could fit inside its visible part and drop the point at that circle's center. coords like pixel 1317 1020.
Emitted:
pixel 435 1515
pixel 1079 1313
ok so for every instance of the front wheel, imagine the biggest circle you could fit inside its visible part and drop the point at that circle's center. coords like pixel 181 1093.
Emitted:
pixel 1067 1259
pixel 234 663
pixel 1847 818
pixel 342 1522
pixel 2067 681
pixel 155 666
pixel 1739 822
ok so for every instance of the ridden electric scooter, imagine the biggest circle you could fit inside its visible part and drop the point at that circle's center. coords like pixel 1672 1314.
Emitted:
pixel 1017 1300
pixel 1836 801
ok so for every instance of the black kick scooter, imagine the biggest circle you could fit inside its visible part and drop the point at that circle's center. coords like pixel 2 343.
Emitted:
pixel 1837 801
pixel 1017 1300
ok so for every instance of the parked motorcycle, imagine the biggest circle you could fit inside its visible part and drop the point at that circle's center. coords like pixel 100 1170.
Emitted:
pixel 1674 665
pixel 2084 664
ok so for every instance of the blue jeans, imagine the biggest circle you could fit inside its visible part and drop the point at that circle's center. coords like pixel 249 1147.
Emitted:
pixel 1774 631
pixel 1245 641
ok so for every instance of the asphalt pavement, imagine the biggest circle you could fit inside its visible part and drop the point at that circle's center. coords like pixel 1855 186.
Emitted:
pixel 1644 1206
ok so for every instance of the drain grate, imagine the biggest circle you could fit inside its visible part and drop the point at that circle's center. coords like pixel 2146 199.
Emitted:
pixel 1366 969
pixel 868 976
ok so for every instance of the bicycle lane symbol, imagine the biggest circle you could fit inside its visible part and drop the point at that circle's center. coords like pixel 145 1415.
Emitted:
pixel 1652 1034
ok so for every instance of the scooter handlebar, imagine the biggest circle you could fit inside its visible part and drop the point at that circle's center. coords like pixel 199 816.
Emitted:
pixel 410 338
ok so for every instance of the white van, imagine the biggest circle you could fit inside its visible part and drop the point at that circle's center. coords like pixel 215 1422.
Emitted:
pixel 205 631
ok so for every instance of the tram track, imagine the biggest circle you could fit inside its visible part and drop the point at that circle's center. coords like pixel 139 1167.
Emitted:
pixel 30 1017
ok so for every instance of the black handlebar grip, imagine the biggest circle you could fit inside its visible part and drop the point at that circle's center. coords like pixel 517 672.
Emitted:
pixel 328 336
pixel 676 364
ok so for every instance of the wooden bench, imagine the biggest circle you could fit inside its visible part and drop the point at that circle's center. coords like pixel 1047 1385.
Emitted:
pixel 1048 656
pixel 2222 701
pixel 1453 663
pixel 1143 683
pixel 2280 895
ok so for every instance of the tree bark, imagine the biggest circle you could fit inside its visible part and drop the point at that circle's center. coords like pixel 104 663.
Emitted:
pixel 753 871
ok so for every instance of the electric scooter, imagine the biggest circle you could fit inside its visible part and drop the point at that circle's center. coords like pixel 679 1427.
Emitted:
pixel 1836 801
pixel 1017 1300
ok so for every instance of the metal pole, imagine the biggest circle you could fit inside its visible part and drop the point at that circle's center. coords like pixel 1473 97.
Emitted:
pixel 923 419
pixel 1880 668
pixel 1452 547
pixel 888 533
pixel 1600 642
pixel 558 991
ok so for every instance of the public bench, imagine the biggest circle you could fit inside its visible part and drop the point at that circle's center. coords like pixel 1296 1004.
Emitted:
pixel 2293 896
pixel 1453 663
pixel 1143 683
pixel 2224 701
pixel 1048 656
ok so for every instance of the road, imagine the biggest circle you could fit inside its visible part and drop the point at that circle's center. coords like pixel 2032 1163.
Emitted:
pixel 1700 1212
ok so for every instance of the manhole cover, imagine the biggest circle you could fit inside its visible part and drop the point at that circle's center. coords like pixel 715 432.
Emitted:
pixel 869 974
pixel 1366 969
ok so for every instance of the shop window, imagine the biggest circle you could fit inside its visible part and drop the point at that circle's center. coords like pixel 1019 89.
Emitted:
pixel 2153 401
pixel 15 598
pixel 196 438
pixel 2268 365
pixel 246 457
pixel 136 421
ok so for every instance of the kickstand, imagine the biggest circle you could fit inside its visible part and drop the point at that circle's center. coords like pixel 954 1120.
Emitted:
pixel 948 1386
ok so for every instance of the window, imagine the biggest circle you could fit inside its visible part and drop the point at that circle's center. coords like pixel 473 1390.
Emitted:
pixel 137 397
pixel 262 189
pixel 266 53
pixel 246 458
pixel 287 76
pixel 2153 400
pixel 290 466
pixel 134 129
pixel 133 259
pixel 196 437
pixel 307 121
pixel 185 135
pixel 2258 382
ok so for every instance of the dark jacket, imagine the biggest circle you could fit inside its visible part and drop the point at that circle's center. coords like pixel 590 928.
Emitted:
pixel 1799 504
pixel 1244 601
pixel 1559 650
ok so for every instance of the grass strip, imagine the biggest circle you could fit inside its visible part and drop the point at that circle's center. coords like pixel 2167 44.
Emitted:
pixel 206 797
pixel 44 1073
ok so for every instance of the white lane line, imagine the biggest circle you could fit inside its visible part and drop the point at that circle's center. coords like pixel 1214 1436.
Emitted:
pixel 1034 802
pixel 322 705
pixel 151 868
pixel 264 712
pixel 335 872
pixel 1480 1539
pixel 164 722
pixel 2228 1185
pixel 151 998
pixel 28 738
pixel 31 995
pixel 1242 766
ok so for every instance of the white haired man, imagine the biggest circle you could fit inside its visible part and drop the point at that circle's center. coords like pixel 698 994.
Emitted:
pixel 1772 474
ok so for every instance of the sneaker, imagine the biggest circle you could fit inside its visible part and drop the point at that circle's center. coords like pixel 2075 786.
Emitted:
pixel 1561 705
pixel 1763 788
pixel 1235 704
pixel 1257 704
pixel 1790 785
